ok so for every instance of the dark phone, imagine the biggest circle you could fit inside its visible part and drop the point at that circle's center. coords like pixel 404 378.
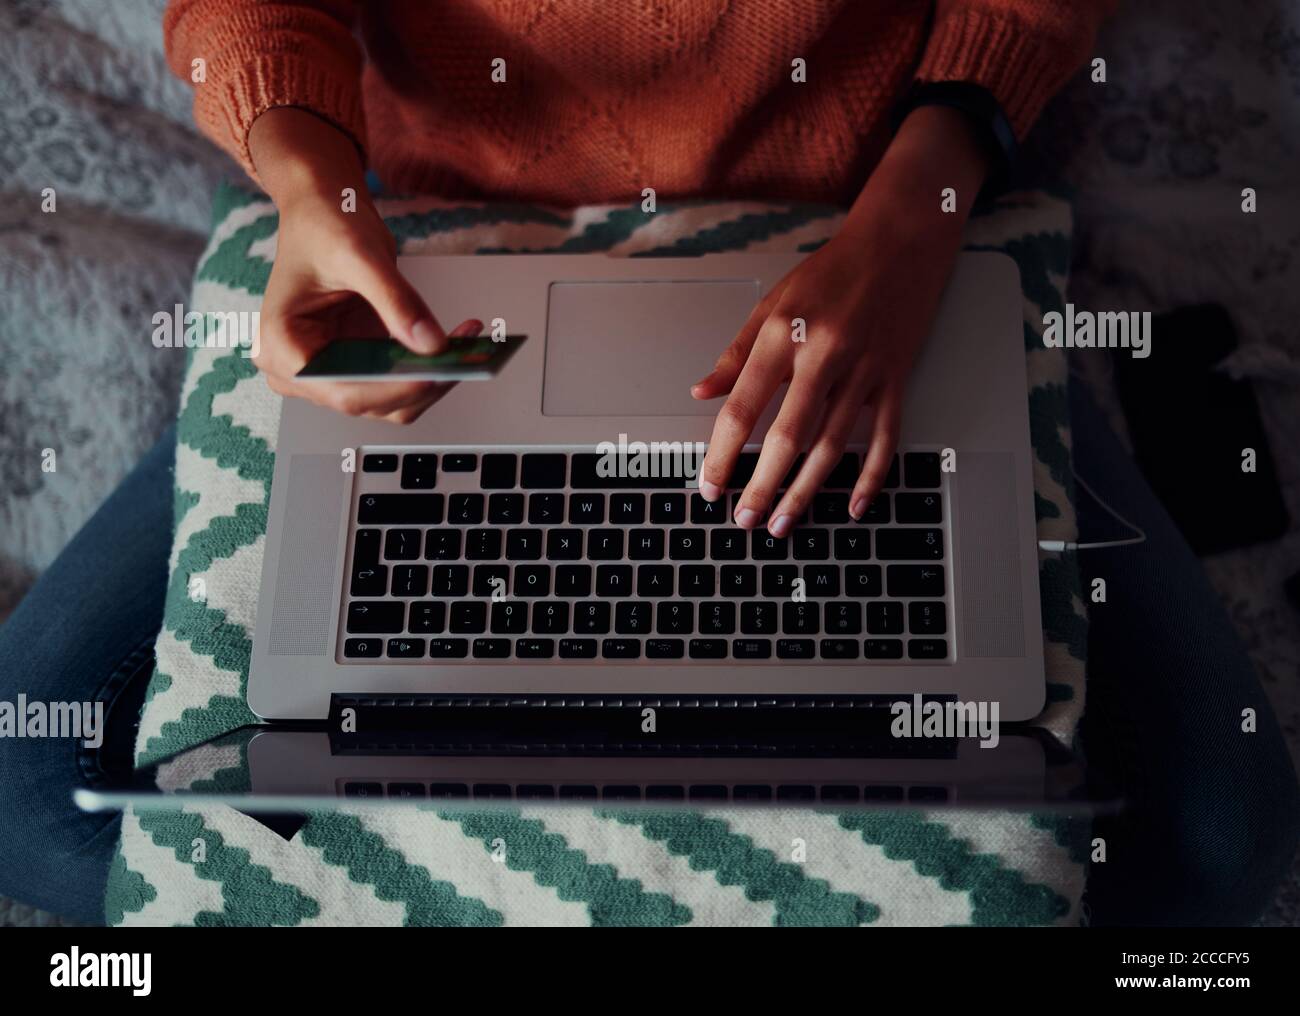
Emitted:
pixel 1190 425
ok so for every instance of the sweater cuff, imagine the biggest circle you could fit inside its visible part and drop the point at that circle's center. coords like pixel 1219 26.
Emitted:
pixel 1001 55
pixel 228 107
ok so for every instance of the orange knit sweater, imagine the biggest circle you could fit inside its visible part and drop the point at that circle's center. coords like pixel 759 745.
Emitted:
pixel 602 98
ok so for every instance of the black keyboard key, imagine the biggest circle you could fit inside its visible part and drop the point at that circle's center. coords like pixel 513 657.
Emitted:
pixel 578 792
pixel 843 618
pixel 879 792
pixel 915 580
pixel 800 619
pixel 646 544
pixel 543 471
pixel 419 471
pixel 523 545
pixel 925 509
pixel 708 649
pixel 492 580
pixel 534 649
pixel 402 544
pixel 534 791
pixel 664 649
pixel 752 649
pixel 577 649
pixel 546 509
pixel 448 649
pixel 411 580
pixel 751 792
pixel 891 480
pixel 686 544
pixel 921 469
pixel 821 579
pixel 587 509
pixel 845 474
pixel 483 544
pixel 778 580
pixel 591 617
pixel 468 618
pixel 767 547
pixel 927 649
pixel 584 474
pixel 727 544
pixel 605 544
pixel 363 648
pixel 405 791
pixel 758 618
pixel 533 580
pixel 427 617
pixel 363 790
pixel 573 580
pixel 852 544
pixel 839 793
pixel 877 513
pixel 695 580
pixel 506 509
pixel 743 472
pixel 885 618
pixel 614 580
pixel 370 581
pixel 498 472
pixel 632 618
pixel 675 618
pixel 863 580
pixel 708 513
pixel 509 618
pixel 739 580
pixel 399 509
pixel 465 509
pixel 621 649
pixel 718 619
pixel 830 509
pixel 442 790
pixel 795 649
pixel 883 649
pixel 667 509
pixel 654 580
pixel 491 649
pixel 564 544
pixel 839 649
pixel 459 463
pixel 379 463
pixel 365 548
pixel 924 618
pixel 550 618
pixel 406 649
pixel 450 580
pixel 627 509
pixel 909 544
pixel 812 544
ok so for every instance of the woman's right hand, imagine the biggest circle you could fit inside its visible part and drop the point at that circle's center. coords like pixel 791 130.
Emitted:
pixel 335 272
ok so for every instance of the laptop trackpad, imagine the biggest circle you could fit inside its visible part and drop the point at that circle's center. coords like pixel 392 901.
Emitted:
pixel 635 348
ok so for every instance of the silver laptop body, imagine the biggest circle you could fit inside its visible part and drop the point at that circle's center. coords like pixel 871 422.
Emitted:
pixel 613 345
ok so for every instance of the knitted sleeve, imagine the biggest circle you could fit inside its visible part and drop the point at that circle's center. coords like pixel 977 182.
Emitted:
pixel 1022 51
pixel 244 57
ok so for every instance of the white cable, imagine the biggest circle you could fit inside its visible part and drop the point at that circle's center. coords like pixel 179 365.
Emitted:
pixel 1060 546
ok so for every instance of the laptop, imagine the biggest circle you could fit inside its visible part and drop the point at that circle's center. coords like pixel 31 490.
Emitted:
pixel 483 555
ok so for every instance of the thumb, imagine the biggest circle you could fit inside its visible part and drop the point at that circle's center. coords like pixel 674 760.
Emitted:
pixel 401 309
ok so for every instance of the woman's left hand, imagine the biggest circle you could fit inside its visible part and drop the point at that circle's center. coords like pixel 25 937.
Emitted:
pixel 843 328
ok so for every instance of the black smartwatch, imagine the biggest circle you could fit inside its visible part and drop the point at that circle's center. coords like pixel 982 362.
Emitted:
pixel 981 109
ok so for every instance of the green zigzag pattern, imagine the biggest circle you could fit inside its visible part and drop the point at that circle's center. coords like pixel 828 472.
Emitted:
pixel 708 844
pixel 999 895
pixel 368 860
pixel 252 897
pixel 127 891
pixel 610 900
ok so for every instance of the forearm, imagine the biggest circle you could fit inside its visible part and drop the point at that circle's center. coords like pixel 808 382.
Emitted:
pixel 299 156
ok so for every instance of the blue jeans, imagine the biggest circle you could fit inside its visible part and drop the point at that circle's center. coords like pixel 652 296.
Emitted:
pixel 1213 817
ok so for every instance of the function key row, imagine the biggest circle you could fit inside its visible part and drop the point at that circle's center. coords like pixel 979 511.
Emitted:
pixel 832 793
pixel 582 471
pixel 408 648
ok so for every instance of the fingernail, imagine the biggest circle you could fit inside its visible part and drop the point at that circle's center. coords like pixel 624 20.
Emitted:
pixel 780 526
pixel 710 491
pixel 424 337
pixel 747 518
pixel 858 508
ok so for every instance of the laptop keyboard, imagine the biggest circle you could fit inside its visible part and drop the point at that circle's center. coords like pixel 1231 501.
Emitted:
pixel 460 557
